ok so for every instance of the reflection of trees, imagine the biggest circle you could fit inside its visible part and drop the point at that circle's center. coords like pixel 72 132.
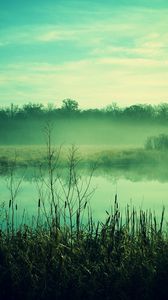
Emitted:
pixel 142 172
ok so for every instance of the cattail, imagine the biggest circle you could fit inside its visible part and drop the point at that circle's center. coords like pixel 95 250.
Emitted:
pixel 85 204
pixel 10 202
pixel 115 198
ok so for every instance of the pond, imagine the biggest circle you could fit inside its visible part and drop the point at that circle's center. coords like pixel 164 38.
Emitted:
pixel 139 192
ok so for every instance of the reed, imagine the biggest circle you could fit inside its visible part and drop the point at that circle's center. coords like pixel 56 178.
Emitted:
pixel 116 259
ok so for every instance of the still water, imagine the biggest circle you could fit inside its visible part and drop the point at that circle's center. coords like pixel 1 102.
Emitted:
pixel 141 194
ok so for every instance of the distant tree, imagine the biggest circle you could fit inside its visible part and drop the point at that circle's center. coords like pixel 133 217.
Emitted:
pixel 12 110
pixel 112 107
pixel 32 109
pixel 3 114
pixel 50 107
pixel 134 111
pixel 70 105
pixel 163 111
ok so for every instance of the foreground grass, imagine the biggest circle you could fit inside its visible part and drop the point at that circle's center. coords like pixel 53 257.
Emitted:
pixel 96 261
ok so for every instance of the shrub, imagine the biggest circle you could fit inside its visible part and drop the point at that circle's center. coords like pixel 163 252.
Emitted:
pixel 157 142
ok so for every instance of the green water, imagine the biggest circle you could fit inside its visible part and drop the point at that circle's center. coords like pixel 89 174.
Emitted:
pixel 135 191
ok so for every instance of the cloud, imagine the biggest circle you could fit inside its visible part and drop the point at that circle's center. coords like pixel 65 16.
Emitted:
pixel 93 82
pixel 118 54
pixel 114 23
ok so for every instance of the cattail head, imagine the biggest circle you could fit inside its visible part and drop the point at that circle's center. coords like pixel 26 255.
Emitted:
pixel 39 202
pixel 115 198
pixel 10 202
pixel 85 204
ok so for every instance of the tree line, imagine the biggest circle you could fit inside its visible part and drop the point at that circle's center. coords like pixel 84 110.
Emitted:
pixel 70 108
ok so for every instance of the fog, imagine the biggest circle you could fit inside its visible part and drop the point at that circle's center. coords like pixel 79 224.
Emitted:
pixel 80 132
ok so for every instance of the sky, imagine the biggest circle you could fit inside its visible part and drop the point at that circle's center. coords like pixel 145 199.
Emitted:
pixel 96 52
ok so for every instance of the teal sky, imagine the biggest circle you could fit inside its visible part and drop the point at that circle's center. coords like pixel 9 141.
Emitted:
pixel 96 52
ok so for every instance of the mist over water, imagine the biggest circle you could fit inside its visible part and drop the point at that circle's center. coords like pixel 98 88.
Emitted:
pixel 80 132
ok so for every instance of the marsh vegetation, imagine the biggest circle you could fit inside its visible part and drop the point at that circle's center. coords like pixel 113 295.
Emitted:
pixel 109 260
pixel 65 254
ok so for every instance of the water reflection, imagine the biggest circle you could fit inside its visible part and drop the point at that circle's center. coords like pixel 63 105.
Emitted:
pixel 136 187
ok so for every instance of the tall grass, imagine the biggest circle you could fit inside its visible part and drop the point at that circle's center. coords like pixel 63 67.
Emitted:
pixel 112 260
pixel 105 155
